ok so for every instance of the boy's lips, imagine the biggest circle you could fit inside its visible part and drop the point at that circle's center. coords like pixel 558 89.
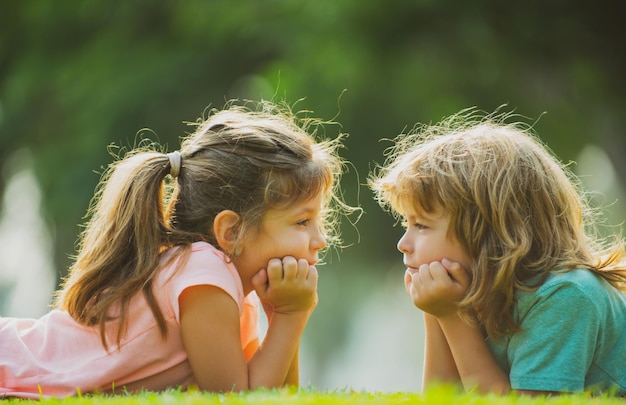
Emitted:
pixel 410 268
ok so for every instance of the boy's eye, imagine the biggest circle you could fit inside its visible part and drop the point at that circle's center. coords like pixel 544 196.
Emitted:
pixel 407 223
pixel 304 222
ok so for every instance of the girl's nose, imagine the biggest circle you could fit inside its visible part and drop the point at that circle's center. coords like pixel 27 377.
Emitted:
pixel 318 241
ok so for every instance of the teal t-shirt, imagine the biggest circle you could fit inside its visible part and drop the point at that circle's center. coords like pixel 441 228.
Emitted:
pixel 573 337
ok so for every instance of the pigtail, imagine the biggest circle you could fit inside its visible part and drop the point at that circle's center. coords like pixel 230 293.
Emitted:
pixel 241 159
pixel 119 248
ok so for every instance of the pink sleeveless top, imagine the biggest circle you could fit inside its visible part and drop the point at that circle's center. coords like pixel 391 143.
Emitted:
pixel 56 356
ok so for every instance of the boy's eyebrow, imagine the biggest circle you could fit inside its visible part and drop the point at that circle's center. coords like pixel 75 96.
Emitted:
pixel 423 215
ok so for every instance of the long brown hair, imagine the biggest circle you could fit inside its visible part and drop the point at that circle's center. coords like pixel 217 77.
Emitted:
pixel 516 209
pixel 246 158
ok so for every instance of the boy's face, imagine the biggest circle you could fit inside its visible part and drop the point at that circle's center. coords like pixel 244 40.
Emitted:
pixel 292 231
pixel 426 240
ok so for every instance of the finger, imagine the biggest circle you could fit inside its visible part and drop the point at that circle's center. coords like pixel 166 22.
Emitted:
pixel 457 272
pixel 408 280
pixel 303 269
pixel 424 274
pixel 290 268
pixel 415 288
pixel 312 275
pixel 259 282
pixel 275 271
pixel 439 272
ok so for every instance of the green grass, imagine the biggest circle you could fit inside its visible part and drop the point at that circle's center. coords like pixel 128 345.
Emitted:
pixel 435 396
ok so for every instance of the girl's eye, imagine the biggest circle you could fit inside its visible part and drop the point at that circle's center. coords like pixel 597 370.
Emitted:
pixel 420 226
pixel 304 222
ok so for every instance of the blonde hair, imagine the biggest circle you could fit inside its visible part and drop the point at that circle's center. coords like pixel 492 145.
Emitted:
pixel 517 211
pixel 246 158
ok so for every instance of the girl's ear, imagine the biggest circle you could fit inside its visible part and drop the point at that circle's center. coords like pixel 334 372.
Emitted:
pixel 225 228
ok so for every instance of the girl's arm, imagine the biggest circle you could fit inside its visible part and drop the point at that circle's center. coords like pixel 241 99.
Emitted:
pixel 293 375
pixel 273 364
pixel 280 298
pixel 210 329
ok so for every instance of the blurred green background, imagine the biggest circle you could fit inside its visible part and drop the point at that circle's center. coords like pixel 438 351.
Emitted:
pixel 76 76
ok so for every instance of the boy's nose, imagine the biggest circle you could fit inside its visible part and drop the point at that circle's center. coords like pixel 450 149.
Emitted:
pixel 403 246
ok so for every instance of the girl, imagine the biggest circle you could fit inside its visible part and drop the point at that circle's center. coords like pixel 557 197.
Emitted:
pixel 162 298
pixel 517 293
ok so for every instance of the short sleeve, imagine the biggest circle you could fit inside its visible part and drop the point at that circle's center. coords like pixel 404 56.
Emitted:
pixel 555 348
pixel 205 267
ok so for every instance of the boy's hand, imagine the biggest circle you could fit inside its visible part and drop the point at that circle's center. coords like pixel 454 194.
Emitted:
pixel 287 286
pixel 437 287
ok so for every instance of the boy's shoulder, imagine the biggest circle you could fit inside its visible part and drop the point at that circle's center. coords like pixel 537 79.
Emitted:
pixel 574 286
pixel 582 280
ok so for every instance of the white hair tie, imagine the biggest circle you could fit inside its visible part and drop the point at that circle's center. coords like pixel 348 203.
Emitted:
pixel 175 163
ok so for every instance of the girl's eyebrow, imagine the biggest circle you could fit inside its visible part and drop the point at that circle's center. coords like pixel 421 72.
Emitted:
pixel 309 207
pixel 304 210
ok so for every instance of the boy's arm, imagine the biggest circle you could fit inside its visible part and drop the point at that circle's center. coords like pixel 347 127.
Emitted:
pixel 436 288
pixel 439 366
pixel 476 365
pixel 474 361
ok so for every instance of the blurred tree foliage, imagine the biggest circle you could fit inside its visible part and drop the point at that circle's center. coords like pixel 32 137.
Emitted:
pixel 78 75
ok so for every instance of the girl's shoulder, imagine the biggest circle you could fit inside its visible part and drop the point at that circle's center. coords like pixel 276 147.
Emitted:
pixel 198 256
pixel 202 264
pixel 207 251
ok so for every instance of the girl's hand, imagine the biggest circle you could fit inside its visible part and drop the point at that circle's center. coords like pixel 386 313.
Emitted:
pixel 287 286
pixel 437 287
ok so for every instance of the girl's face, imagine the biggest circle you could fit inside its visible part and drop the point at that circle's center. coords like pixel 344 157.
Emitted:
pixel 292 231
pixel 427 240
